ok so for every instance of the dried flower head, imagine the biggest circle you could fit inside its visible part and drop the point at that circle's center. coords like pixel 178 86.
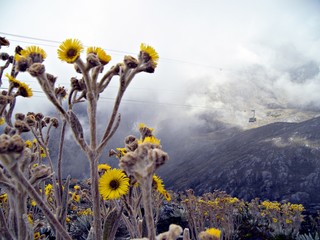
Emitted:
pixel 70 50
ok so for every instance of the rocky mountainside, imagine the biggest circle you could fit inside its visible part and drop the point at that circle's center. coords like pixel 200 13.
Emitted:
pixel 278 161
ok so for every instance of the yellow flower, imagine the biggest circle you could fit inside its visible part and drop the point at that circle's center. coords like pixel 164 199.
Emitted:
pixel 33 203
pixel 150 52
pixel 167 196
pixel 48 189
pixel 275 220
pixel 87 211
pixel 37 54
pixel 28 143
pixel 13 81
pixel 76 197
pixel 113 184
pixel 157 183
pixel 36 235
pixel 2 121
pixel 297 207
pixel 288 221
pixel 25 90
pixel 103 166
pixel 3 198
pixel 70 50
pixel 101 54
pixel 43 153
pixel 214 232
pixel 151 139
pixel 76 187
pixel 30 219
pixel 68 220
pixel 121 152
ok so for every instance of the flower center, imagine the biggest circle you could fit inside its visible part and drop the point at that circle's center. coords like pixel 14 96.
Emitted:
pixel 71 52
pixel 114 184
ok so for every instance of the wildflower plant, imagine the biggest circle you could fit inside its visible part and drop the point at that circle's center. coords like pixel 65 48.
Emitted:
pixel 87 88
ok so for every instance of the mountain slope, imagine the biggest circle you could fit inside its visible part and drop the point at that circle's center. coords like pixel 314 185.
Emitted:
pixel 279 161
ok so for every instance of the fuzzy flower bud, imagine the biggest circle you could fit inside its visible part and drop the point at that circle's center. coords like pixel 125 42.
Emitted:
pixel 4 143
pixel 36 69
pixel 39 173
pixel 4 56
pixel 143 161
pixel 20 116
pixel 39 117
pixel 21 126
pixel 93 60
pixel 54 122
pixel 130 62
pixel 31 120
pixel 22 64
pixel 47 120
pixel 16 144
pixel 131 143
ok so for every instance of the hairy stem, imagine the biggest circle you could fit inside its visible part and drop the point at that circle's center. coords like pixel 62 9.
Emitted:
pixel 147 203
pixel 15 172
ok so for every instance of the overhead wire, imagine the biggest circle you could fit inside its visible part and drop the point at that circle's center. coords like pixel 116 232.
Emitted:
pixel 114 51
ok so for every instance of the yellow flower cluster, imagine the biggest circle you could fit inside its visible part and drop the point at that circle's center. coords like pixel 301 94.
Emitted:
pixel 271 205
pixel 86 212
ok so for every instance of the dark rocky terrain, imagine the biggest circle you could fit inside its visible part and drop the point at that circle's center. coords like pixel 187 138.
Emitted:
pixel 278 161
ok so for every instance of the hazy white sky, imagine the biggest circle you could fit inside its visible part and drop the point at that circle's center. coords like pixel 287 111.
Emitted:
pixel 213 53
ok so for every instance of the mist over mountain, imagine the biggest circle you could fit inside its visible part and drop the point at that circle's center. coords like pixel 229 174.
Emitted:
pixel 278 161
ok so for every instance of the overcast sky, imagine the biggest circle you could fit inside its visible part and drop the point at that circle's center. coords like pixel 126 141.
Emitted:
pixel 216 56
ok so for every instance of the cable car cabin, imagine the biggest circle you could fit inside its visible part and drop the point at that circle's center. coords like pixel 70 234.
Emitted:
pixel 252 119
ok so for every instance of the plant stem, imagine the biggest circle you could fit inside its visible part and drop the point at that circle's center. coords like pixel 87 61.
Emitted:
pixel 15 172
pixel 147 203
